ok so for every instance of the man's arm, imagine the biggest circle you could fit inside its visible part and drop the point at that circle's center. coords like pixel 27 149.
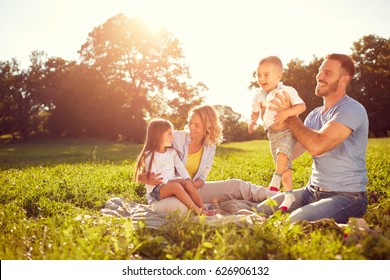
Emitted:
pixel 315 142
pixel 294 110
pixel 298 150
pixel 318 142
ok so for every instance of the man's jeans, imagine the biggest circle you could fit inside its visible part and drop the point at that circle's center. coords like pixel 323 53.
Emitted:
pixel 312 205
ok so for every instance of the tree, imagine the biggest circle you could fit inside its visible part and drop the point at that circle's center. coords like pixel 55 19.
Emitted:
pixel 142 64
pixel 303 79
pixel 230 121
pixel 371 86
pixel 234 128
pixel 79 101
pixel 10 81
pixel 20 102
pixel 179 106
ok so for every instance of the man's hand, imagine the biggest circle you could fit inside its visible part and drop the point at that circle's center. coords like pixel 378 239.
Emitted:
pixel 281 102
pixel 281 116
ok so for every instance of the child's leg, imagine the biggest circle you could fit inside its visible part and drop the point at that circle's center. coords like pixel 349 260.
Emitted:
pixel 193 192
pixel 281 166
pixel 175 189
pixel 289 197
pixel 287 180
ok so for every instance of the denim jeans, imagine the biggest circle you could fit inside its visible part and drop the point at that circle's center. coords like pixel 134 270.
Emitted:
pixel 313 205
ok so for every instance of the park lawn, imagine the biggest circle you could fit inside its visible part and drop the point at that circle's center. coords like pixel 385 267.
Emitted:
pixel 52 191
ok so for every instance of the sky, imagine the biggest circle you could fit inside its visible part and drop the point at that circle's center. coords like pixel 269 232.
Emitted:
pixel 223 40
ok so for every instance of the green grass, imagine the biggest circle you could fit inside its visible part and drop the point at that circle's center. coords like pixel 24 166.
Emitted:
pixel 52 191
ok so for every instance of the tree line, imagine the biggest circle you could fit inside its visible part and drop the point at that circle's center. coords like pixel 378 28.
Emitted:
pixel 126 74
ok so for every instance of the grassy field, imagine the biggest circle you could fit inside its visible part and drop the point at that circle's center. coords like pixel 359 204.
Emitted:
pixel 52 191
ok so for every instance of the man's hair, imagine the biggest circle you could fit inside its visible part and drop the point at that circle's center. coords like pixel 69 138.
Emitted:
pixel 347 63
pixel 274 60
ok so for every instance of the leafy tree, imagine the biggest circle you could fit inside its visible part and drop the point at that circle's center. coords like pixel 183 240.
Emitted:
pixel 20 102
pixel 230 121
pixel 303 79
pixel 371 85
pixel 79 101
pixel 10 81
pixel 179 106
pixel 142 64
pixel 234 128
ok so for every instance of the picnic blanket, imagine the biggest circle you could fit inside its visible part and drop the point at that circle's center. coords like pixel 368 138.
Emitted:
pixel 240 212
pixel 233 211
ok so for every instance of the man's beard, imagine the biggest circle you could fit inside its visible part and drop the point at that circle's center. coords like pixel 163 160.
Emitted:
pixel 328 89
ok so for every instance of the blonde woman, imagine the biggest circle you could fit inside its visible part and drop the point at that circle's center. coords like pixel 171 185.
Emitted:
pixel 197 146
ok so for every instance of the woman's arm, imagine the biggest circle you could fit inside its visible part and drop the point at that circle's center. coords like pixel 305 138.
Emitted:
pixel 154 178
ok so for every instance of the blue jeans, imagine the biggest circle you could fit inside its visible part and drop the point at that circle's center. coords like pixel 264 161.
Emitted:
pixel 154 195
pixel 313 205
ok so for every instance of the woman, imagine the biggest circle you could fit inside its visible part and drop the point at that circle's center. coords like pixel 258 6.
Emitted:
pixel 197 148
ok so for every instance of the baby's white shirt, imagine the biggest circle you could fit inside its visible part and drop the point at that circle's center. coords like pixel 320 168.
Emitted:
pixel 269 115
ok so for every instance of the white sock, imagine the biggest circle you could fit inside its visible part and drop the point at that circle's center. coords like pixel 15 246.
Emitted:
pixel 275 182
pixel 289 199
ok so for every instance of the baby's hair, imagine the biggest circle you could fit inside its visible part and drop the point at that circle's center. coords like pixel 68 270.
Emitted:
pixel 156 128
pixel 274 60
pixel 211 122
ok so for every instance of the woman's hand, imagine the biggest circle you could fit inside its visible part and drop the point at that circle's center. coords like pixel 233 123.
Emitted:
pixel 153 179
pixel 198 183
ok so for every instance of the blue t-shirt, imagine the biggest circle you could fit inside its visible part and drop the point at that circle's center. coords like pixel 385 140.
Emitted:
pixel 343 168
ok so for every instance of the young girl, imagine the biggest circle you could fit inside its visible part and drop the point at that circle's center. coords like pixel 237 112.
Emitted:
pixel 158 156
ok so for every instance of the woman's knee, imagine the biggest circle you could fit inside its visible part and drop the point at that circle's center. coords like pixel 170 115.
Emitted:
pixel 169 204
pixel 237 182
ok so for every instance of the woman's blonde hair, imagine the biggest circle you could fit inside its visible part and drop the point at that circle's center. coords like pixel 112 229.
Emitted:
pixel 211 122
pixel 156 128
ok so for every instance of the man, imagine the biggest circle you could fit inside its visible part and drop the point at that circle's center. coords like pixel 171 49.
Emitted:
pixel 336 135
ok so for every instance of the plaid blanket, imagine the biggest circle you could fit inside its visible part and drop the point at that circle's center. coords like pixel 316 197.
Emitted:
pixel 233 211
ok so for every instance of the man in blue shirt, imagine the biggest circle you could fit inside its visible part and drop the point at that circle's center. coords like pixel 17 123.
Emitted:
pixel 336 135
